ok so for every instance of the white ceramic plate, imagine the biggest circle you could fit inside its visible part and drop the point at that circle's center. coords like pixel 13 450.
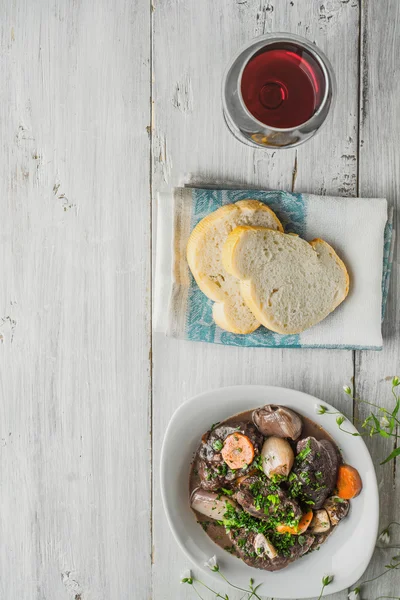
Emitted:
pixel 345 554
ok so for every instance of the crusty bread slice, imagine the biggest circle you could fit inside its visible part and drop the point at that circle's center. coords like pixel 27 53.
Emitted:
pixel 204 255
pixel 288 283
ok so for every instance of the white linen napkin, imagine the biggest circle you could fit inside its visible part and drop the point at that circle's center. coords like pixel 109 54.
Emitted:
pixel 358 229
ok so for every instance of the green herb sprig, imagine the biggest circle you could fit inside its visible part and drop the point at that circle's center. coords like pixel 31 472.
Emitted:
pixel 212 564
pixel 381 421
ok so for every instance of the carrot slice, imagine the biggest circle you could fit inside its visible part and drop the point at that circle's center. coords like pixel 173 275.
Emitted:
pixel 238 451
pixel 349 483
pixel 301 527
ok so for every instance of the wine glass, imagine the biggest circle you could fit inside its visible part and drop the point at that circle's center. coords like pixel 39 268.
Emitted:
pixel 277 91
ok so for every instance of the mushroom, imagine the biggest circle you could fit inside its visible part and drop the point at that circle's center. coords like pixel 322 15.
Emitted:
pixel 277 457
pixel 278 421
pixel 337 509
pixel 320 522
pixel 209 504
pixel 264 547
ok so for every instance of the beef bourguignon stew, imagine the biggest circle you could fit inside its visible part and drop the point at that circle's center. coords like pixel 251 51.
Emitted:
pixel 270 486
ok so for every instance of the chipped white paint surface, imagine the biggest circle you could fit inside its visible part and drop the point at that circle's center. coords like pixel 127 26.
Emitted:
pixel 76 133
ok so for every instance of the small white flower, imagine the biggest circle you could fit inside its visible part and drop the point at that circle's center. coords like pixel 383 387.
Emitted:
pixel 187 577
pixel 354 594
pixel 347 389
pixel 384 422
pixel 212 563
pixel 384 537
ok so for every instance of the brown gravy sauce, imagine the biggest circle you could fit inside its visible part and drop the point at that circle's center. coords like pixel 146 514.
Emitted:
pixel 217 532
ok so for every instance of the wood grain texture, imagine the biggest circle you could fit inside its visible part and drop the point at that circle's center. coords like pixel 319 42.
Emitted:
pixel 192 44
pixel 379 174
pixel 74 300
pixel 76 132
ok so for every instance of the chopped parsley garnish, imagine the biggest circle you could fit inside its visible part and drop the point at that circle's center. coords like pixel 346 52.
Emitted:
pixel 238 522
pixel 257 462
pixel 305 477
pixel 278 478
pixel 296 488
pixel 304 453
pixel 227 492
pixel 213 426
pixel 222 470
pixel 218 445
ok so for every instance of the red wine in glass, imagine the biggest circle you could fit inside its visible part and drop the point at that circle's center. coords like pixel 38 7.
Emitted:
pixel 282 86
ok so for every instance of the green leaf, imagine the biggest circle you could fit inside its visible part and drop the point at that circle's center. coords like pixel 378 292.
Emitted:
pixel 391 456
pixel 218 445
pixel 376 422
pixel 384 434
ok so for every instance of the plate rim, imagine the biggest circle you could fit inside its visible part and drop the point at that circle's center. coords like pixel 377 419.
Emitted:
pixel 309 397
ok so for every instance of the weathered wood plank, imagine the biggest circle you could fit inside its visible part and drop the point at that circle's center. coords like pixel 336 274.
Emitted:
pixel 193 41
pixel 379 160
pixel 74 300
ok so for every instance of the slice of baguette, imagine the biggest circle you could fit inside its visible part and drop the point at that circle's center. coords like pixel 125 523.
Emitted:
pixel 288 283
pixel 204 255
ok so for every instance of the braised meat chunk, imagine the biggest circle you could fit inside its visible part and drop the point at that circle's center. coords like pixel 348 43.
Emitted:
pixel 213 469
pixel 313 477
pixel 262 499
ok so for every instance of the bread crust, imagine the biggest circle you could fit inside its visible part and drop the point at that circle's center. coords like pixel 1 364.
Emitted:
pixel 247 286
pixel 221 315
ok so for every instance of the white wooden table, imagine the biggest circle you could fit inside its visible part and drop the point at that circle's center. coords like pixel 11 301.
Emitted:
pixel 102 104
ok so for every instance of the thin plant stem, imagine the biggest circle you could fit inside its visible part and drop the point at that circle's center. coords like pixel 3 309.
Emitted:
pixel 206 586
pixel 217 594
pixel 350 433
pixel 394 568
pixel 237 587
pixel 365 402
pixel 393 523
pixel 197 592
pixel 253 593
pixel 322 591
